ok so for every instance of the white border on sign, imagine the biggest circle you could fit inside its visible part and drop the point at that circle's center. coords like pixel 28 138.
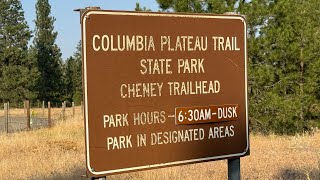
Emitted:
pixel 85 17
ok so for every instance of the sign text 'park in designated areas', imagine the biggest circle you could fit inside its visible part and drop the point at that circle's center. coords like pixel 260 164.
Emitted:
pixel 163 89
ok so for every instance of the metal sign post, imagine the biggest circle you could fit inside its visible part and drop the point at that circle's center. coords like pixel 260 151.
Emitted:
pixel 234 169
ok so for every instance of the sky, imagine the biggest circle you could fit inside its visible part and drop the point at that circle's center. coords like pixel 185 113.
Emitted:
pixel 67 22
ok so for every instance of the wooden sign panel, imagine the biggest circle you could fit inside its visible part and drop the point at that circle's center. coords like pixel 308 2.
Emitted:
pixel 163 89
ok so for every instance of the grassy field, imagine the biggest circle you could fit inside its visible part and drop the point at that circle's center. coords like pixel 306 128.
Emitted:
pixel 58 153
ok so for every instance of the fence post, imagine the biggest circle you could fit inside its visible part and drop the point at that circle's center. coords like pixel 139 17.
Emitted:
pixel 73 110
pixel 82 108
pixel 63 109
pixel 42 108
pixel 49 114
pixel 28 114
pixel 8 111
pixel 5 108
pixel 24 107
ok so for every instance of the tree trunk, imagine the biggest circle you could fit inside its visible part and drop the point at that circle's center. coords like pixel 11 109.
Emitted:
pixel 301 86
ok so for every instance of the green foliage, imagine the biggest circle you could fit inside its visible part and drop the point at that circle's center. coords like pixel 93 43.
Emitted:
pixel 220 7
pixel 67 74
pixel 47 54
pixel 77 79
pixel 138 8
pixel 18 71
pixel 73 77
pixel 283 59
pixel 77 98
pixel 182 5
pixel 288 44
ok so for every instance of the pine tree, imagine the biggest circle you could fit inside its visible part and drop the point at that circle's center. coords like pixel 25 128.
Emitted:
pixel 260 75
pixel 138 8
pixel 290 52
pixel 73 77
pixel 47 53
pixel 77 76
pixel 182 5
pixel 283 59
pixel 68 71
pixel 18 71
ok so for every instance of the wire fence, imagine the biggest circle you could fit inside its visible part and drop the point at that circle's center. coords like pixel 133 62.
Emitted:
pixel 31 117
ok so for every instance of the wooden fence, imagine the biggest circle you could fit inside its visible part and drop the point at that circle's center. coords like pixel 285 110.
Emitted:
pixel 28 118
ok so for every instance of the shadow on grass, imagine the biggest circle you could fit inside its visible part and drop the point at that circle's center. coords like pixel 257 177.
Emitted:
pixel 76 173
pixel 80 174
pixel 298 174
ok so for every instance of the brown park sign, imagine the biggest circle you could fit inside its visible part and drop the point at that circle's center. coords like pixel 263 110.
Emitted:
pixel 163 89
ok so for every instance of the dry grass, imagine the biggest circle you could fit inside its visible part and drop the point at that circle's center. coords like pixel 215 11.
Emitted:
pixel 58 153
pixel 45 153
